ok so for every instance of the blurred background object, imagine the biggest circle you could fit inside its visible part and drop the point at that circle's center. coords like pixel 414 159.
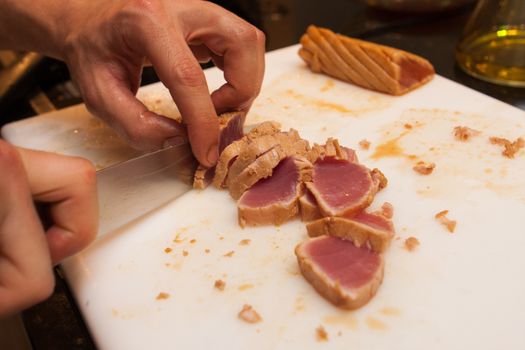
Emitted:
pixel 492 47
pixel 417 6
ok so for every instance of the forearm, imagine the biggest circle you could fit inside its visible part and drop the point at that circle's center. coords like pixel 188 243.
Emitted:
pixel 30 25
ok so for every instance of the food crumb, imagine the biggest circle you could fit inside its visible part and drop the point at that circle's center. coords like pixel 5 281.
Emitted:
pixel 162 296
pixel 167 250
pixel 387 210
pixel 185 253
pixel 221 238
pixel 207 251
pixel 248 314
pixel 229 254
pixel 449 224
pixel 339 333
pixel 321 334
pixel 365 144
pixel 511 148
pixel 245 242
pixel 220 285
pixel 424 168
pixel 463 133
pixel 193 241
pixel 408 126
pixel 411 243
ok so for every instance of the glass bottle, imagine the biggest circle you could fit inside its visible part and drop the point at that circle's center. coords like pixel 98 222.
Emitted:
pixel 492 46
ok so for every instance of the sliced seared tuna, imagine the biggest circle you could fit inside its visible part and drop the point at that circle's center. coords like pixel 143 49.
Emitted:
pixel 203 177
pixel 372 230
pixel 346 275
pixel 231 128
pixel 290 141
pixel 341 187
pixel 259 169
pixel 230 153
pixel 273 200
pixel 308 207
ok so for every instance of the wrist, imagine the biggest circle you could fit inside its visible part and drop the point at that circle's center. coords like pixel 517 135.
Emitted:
pixel 28 25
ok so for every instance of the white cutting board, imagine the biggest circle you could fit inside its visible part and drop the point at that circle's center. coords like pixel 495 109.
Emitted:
pixel 455 291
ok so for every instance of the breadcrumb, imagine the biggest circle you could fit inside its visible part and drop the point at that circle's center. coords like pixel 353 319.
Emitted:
pixel 167 250
pixel 463 133
pixel 248 314
pixel 387 210
pixel 229 254
pixel 365 144
pixel 245 242
pixel 511 148
pixel 408 126
pixel 207 251
pixel 220 285
pixel 193 241
pixel 321 334
pixel 449 224
pixel 162 296
pixel 424 168
pixel 411 243
pixel 379 178
pixel 185 253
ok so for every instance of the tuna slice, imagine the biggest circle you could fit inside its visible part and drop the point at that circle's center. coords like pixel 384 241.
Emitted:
pixel 341 187
pixel 308 207
pixel 231 129
pixel 258 170
pixel 371 230
pixel 290 141
pixel 344 274
pixel 273 200
pixel 230 153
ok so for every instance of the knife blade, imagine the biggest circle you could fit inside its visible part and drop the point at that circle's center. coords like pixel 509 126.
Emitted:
pixel 132 188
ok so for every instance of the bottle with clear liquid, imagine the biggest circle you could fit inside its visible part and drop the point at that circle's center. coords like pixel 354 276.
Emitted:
pixel 492 46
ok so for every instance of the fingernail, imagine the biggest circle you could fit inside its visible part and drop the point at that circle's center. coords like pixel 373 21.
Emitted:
pixel 213 155
pixel 174 141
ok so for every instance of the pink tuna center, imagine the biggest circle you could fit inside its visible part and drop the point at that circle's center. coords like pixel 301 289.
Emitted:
pixel 373 220
pixel 280 187
pixel 341 183
pixel 343 262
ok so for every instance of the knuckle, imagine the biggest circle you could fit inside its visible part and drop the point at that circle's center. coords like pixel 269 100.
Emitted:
pixel 87 172
pixel 10 159
pixel 261 37
pixel 188 73
pixel 42 288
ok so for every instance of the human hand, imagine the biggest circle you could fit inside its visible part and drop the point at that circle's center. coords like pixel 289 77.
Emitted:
pixel 106 44
pixel 28 252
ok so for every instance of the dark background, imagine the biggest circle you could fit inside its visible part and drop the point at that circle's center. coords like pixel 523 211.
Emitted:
pixel 39 84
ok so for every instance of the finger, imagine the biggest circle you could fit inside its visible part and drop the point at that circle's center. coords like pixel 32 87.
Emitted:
pixel 25 266
pixel 241 46
pixel 69 186
pixel 110 96
pixel 180 72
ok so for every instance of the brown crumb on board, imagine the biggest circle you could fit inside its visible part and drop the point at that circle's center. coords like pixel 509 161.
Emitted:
pixel 185 253
pixel 321 334
pixel 463 133
pixel 245 242
pixel 248 314
pixel 449 224
pixel 364 144
pixel 511 148
pixel 411 243
pixel 167 250
pixel 387 210
pixel 207 251
pixel 424 168
pixel 220 285
pixel 193 241
pixel 408 126
pixel 229 254
pixel 162 296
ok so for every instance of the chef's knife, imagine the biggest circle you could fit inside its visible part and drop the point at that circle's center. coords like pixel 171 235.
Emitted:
pixel 134 187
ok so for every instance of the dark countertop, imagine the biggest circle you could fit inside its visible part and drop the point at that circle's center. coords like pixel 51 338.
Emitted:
pixel 57 324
